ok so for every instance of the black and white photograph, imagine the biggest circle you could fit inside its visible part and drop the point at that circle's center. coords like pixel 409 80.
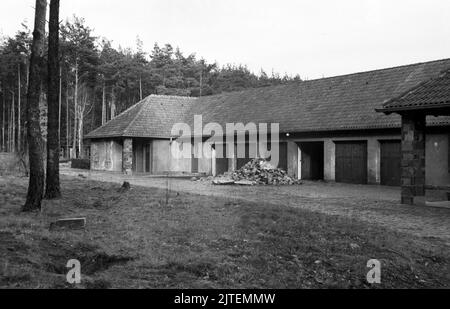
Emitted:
pixel 224 152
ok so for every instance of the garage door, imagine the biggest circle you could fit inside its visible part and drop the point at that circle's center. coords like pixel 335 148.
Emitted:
pixel 351 162
pixel 390 163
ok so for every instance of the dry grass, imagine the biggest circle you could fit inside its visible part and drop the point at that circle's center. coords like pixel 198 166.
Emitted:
pixel 135 240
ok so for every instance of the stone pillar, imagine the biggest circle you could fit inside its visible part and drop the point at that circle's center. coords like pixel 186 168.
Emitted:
pixel 413 159
pixel 127 156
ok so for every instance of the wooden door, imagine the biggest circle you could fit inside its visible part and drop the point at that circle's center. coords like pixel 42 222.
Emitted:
pixel 390 163
pixel 351 162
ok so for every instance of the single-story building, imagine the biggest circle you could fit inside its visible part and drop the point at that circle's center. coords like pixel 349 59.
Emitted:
pixel 329 129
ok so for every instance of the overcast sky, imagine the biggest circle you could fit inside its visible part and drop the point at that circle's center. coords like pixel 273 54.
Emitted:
pixel 313 38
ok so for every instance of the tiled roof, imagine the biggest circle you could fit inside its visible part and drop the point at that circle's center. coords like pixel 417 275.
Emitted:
pixel 345 102
pixel 338 103
pixel 433 93
pixel 152 117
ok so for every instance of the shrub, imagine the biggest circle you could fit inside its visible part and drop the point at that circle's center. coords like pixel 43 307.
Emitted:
pixel 82 164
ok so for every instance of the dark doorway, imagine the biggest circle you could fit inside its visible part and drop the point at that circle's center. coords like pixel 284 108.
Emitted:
pixel 312 160
pixel 195 160
pixel 241 161
pixel 282 155
pixel 390 163
pixel 221 159
pixel 195 168
pixel 283 164
pixel 148 158
pixel 142 156
pixel 351 162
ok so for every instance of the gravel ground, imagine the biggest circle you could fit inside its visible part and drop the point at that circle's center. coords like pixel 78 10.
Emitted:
pixel 374 204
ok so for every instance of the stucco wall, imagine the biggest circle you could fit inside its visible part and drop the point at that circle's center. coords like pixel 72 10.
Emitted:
pixel 205 163
pixel 329 160
pixel 437 169
pixel 436 162
pixel 106 155
pixel 292 159
pixel 373 160
pixel 161 156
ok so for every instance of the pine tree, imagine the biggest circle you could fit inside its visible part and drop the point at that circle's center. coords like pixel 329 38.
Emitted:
pixel 36 184
pixel 53 190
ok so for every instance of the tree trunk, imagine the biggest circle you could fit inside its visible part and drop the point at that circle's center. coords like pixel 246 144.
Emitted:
pixel 36 184
pixel 67 121
pixel 13 118
pixel 140 88
pixel 75 111
pixel 52 181
pixel 60 106
pixel 104 105
pixel 19 124
pixel 3 123
pixel 80 134
pixel 113 104
pixel 8 129
pixel 201 84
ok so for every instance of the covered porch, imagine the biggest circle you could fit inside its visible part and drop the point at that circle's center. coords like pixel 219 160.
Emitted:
pixel 429 99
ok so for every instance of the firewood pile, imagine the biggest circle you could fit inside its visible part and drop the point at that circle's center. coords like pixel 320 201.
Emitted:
pixel 257 172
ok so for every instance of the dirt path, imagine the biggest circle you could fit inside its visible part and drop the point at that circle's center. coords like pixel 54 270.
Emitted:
pixel 374 204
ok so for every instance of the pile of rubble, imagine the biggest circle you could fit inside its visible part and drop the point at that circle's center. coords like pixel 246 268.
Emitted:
pixel 257 172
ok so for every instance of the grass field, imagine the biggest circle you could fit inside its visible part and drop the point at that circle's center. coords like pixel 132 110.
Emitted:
pixel 136 240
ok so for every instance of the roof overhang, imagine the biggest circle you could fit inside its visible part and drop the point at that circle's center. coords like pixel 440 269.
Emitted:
pixel 431 110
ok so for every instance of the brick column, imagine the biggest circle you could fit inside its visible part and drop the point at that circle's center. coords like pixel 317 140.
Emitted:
pixel 413 159
pixel 127 156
